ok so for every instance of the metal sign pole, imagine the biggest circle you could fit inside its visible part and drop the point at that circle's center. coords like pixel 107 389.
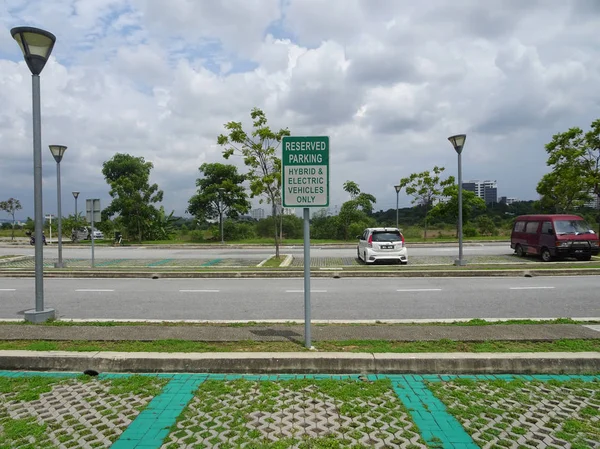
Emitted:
pixel 307 320
pixel 92 233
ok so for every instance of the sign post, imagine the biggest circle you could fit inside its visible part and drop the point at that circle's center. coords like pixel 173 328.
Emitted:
pixel 305 183
pixel 92 211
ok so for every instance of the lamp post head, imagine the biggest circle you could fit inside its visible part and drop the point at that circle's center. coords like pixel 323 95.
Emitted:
pixel 57 151
pixel 36 46
pixel 398 188
pixel 458 142
pixel 75 194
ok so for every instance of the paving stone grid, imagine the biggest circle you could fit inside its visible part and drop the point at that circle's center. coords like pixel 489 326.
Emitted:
pixel 280 411
pixel 297 262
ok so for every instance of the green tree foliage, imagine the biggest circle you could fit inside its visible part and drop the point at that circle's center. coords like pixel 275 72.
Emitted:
pixel 425 188
pixel 10 206
pixel 486 226
pixel 133 196
pixel 259 152
pixel 292 227
pixel 352 188
pixel 354 214
pixel 448 210
pixel 208 203
pixel 575 177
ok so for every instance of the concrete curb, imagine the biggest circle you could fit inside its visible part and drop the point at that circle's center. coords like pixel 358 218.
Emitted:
pixel 299 273
pixel 304 362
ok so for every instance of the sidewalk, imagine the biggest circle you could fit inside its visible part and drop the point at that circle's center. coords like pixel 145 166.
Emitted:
pixel 305 399
pixel 302 361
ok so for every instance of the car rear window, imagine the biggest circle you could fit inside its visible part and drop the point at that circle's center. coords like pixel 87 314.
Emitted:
pixel 386 236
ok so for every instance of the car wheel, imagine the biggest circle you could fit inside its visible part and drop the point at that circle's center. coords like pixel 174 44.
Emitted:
pixel 546 256
pixel 519 251
pixel 585 258
pixel 365 258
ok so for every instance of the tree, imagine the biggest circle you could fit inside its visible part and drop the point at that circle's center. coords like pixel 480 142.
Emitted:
pixel 208 203
pixel 259 152
pixel 352 188
pixel 354 214
pixel 448 209
pixel 128 177
pixel 10 206
pixel 425 188
pixel 575 176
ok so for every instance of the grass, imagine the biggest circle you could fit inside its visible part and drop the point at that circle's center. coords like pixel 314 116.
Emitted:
pixel 297 345
pixel 368 410
pixel 563 409
pixel 472 322
pixel 273 262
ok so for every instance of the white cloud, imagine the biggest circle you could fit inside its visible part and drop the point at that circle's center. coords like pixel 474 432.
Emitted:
pixel 387 81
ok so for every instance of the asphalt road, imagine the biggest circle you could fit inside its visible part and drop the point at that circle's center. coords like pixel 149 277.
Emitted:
pixel 138 252
pixel 332 299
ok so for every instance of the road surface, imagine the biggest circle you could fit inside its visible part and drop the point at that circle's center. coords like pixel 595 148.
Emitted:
pixel 138 252
pixel 332 299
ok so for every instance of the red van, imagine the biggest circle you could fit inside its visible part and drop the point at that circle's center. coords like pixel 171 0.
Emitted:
pixel 554 236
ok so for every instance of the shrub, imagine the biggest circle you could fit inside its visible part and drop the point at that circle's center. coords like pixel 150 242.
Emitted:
pixel 470 231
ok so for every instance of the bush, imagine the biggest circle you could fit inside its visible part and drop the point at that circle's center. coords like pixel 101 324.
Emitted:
pixel 470 231
pixel 238 231
pixel 197 235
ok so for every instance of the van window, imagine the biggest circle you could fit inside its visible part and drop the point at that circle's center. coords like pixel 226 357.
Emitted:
pixel 546 226
pixel 532 227
pixel 519 226
pixel 572 227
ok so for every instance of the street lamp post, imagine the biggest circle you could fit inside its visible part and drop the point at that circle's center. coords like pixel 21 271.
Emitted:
pixel 398 188
pixel 75 195
pixel 36 46
pixel 58 151
pixel 221 190
pixel 458 142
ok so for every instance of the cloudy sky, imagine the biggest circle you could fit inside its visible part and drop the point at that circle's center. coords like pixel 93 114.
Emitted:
pixel 387 80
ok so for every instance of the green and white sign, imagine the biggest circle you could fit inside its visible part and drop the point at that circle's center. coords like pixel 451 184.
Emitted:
pixel 305 171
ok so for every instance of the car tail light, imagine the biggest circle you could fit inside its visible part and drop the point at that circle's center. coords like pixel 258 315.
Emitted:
pixel 370 241
pixel 402 235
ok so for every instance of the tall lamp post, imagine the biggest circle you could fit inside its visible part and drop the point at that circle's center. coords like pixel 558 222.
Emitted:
pixel 75 195
pixel 458 141
pixel 398 188
pixel 36 46
pixel 58 151
pixel 221 190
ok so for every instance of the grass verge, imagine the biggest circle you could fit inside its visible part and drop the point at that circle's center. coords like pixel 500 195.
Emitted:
pixel 370 346
pixel 473 322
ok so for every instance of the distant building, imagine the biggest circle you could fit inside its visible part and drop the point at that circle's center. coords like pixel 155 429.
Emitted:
pixel 257 214
pixel 507 201
pixel 486 190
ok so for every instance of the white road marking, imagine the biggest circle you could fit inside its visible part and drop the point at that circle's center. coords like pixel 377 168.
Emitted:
pixel 419 290
pixel 302 291
pixel 8 289
pixel 94 290
pixel 199 291
pixel 529 288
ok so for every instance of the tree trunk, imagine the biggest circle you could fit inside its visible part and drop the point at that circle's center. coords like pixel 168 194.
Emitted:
pixel 12 234
pixel 425 232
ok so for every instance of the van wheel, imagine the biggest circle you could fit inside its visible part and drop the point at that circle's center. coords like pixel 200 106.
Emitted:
pixel 585 258
pixel 546 256
pixel 519 251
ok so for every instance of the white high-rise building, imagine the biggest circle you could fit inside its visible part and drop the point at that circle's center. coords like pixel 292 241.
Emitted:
pixel 257 214
pixel 486 190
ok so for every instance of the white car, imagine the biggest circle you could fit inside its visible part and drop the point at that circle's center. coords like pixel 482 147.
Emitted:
pixel 97 234
pixel 382 244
